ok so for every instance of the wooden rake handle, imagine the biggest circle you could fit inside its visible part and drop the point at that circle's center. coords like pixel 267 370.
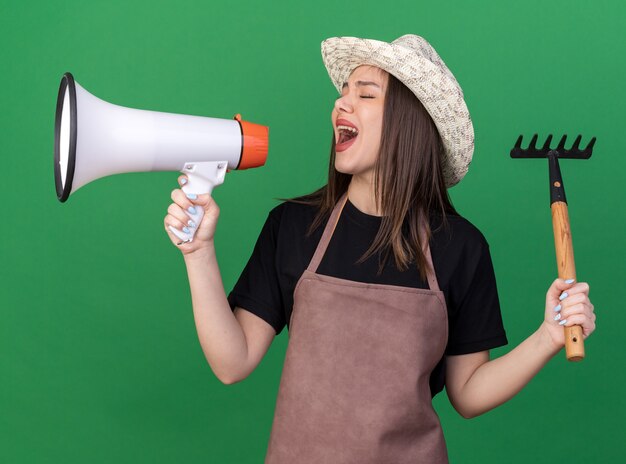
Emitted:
pixel 574 346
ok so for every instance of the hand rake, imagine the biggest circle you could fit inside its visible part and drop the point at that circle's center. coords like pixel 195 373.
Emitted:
pixel 574 348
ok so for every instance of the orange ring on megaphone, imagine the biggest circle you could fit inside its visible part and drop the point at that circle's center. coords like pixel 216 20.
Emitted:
pixel 254 144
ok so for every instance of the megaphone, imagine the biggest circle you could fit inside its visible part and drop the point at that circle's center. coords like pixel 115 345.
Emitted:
pixel 94 139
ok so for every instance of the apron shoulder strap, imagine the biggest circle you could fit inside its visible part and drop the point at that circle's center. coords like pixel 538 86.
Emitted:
pixel 430 272
pixel 328 233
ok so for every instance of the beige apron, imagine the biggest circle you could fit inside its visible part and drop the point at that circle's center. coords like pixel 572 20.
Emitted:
pixel 355 383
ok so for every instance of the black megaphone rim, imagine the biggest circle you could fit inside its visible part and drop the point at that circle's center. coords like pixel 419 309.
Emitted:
pixel 63 191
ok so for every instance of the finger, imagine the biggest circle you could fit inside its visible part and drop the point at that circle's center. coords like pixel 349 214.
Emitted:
pixel 192 197
pixel 208 204
pixel 182 200
pixel 171 221
pixel 578 319
pixel 576 298
pixel 182 180
pixel 558 291
pixel 206 201
pixel 178 237
pixel 579 308
pixel 179 214
pixel 563 284
pixel 578 287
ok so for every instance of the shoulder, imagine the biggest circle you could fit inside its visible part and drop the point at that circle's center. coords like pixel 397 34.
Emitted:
pixel 289 223
pixel 292 214
pixel 459 250
pixel 457 231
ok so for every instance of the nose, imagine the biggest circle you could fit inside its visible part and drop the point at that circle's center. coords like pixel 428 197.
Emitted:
pixel 343 104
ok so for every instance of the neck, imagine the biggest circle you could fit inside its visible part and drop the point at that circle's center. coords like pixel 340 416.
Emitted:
pixel 361 195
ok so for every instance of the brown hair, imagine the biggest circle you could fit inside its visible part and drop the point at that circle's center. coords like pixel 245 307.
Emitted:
pixel 408 181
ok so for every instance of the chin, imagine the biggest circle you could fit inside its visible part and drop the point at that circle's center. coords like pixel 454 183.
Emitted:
pixel 343 169
pixel 345 166
pixel 349 170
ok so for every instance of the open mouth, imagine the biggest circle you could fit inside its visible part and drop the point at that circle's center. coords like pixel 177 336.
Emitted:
pixel 346 133
pixel 347 136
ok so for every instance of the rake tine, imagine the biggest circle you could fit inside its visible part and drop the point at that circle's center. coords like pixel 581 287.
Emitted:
pixel 546 145
pixel 590 145
pixel 561 145
pixel 576 142
pixel 518 144
pixel 586 153
pixel 533 141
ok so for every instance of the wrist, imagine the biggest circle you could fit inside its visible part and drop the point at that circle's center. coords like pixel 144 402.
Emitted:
pixel 200 254
pixel 547 341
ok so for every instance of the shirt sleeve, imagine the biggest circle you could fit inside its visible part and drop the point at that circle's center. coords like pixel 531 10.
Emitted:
pixel 476 322
pixel 258 289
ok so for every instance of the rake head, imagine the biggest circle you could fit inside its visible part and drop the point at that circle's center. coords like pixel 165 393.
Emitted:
pixel 560 152
pixel 557 189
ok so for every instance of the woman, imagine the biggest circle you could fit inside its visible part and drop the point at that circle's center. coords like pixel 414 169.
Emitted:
pixel 383 286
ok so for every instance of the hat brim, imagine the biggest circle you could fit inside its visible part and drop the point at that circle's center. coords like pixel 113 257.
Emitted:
pixel 437 89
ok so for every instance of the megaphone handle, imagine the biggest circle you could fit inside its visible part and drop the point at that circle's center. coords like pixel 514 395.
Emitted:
pixel 202 177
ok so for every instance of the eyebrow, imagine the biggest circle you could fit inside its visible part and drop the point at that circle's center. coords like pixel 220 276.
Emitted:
pixel 361 83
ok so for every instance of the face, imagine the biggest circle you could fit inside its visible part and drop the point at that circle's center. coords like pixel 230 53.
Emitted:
pixel 357 121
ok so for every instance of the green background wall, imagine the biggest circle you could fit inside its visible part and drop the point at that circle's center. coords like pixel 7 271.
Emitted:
pixel 99 359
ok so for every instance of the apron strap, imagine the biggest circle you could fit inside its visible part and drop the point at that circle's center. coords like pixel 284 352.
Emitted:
pixel 328 233
pixel 430 272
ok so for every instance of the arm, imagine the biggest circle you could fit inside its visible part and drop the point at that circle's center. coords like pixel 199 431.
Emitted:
pixel 475 384
pixel 233 343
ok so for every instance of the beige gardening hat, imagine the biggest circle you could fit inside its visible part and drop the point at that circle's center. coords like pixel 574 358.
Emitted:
pixel 417 65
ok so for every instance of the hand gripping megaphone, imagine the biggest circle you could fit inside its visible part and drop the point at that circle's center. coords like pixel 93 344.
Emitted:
pixel 94 138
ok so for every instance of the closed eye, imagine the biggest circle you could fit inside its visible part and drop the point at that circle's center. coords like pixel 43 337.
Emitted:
pixel 367 96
